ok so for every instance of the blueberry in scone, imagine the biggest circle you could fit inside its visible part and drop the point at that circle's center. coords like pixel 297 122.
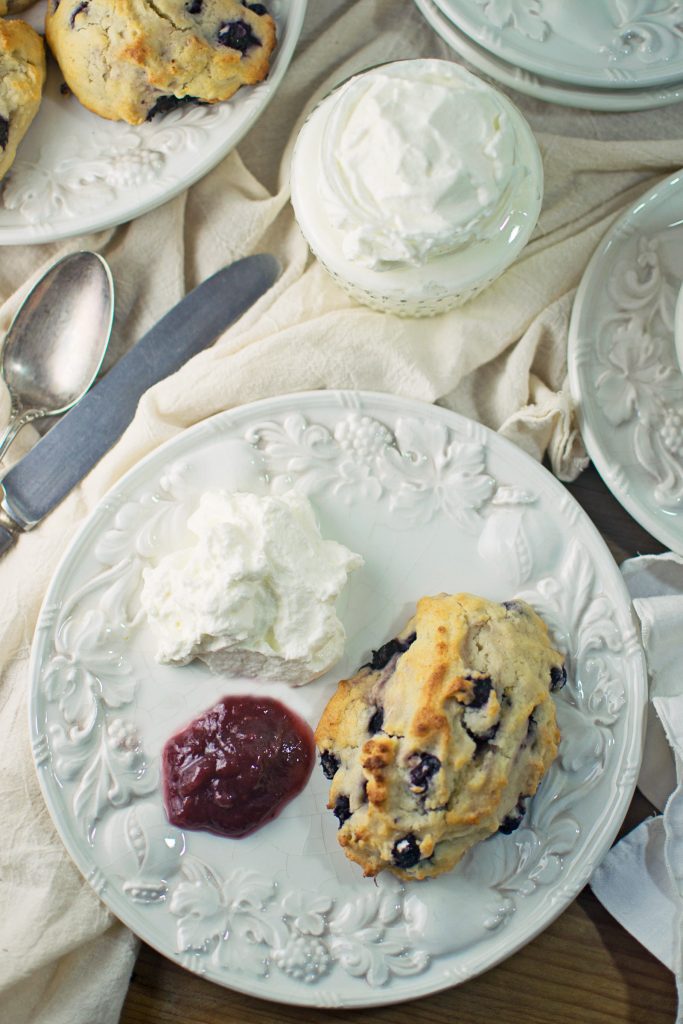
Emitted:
pixel 128 60
pixel 440 739
pixel 22 77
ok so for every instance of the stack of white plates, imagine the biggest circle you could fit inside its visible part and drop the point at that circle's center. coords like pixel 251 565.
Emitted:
pixel 612 55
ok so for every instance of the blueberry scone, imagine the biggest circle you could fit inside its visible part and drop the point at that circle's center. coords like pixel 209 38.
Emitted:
pixel 130 59
pixel 22 76
pixel 438 741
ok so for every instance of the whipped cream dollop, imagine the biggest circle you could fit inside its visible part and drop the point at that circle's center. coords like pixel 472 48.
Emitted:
pixel 255 595
pixel 420 160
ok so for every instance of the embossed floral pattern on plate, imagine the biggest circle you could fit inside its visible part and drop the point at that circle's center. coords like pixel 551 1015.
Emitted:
pixel 490 64
pixel 434 502
pixel 76 172
pixel 610 44
pixel 623 368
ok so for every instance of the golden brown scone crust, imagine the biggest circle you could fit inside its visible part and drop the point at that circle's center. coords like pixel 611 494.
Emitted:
pixel 22 77
pixel 127 59
pixel 434 745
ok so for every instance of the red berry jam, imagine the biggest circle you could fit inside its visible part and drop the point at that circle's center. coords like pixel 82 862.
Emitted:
pixel 235 767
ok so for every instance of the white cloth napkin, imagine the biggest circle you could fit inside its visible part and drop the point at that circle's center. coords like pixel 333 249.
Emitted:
pixel 640 881
pixel 501 359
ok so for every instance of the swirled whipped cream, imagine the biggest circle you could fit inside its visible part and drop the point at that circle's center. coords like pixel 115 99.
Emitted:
pixel 420 161
pixel 255 595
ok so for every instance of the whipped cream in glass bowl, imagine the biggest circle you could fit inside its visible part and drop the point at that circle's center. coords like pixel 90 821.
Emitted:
pixel 416 184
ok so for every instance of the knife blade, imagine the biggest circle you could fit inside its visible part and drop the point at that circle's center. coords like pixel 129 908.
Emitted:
pixel 60 459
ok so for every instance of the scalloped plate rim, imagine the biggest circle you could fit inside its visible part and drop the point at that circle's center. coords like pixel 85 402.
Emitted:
pixel 439 978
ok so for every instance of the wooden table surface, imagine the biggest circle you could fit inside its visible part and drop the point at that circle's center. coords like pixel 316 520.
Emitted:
pixel 584 969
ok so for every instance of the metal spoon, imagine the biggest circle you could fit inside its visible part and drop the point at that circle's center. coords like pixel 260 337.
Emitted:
pixel 56 342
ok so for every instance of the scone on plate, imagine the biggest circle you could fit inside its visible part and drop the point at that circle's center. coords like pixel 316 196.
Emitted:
pixel 22 76
pixel 438 741
pixel 127 60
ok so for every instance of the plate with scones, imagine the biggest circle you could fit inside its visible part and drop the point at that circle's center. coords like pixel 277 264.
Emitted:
pixel 337 699
pixel 108 110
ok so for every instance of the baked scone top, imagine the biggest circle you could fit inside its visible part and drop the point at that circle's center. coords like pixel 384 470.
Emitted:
pixel 128 59
pixel 435 743
pixel 22 77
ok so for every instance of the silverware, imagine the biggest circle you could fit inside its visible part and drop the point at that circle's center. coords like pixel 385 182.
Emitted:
pixel 60 459
pixel 56 342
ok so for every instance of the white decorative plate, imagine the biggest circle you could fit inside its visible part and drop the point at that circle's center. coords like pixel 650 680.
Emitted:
pixel 434 502
pixel 624 374
pixel 589 43
pixel 494 67
pixel 76 172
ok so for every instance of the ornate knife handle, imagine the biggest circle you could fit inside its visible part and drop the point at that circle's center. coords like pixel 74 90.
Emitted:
pixel 9 531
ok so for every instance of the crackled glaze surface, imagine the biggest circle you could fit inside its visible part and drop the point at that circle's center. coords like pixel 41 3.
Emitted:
pixel 491 64
pixel 623 368
pixel 76 172
pixel 434 502
pixel 590 43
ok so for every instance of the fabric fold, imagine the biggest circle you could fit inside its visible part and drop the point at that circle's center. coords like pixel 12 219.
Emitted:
pixel 640 881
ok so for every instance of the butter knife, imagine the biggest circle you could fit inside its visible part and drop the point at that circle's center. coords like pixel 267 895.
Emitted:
pixel 60 459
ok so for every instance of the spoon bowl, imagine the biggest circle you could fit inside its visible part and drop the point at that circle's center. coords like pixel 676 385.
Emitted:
pixel 56 342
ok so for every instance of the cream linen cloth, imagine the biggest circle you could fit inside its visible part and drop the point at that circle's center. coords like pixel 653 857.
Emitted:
pixel 500 359
pixel 640 881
